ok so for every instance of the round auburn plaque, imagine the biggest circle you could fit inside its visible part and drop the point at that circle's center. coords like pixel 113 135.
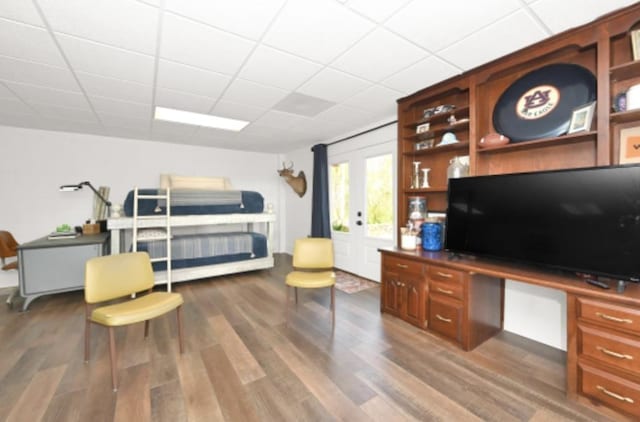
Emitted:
pixel 540 103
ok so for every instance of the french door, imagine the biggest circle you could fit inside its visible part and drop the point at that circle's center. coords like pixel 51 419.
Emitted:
pixel 362 201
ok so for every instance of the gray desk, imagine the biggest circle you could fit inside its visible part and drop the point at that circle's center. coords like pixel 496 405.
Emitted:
pixel 54 266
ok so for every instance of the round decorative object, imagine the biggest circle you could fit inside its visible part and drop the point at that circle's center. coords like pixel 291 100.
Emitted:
pixel 633 97
pixel 448 138
pixel 540 104
pixel 493 139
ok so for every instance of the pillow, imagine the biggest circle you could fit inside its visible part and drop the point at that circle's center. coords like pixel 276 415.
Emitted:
pixel 190 182
pixel 147 235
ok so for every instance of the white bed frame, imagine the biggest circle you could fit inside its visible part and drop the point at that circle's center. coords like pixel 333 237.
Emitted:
pixel 117 226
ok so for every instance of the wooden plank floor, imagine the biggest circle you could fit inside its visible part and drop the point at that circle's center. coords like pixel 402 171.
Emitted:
pixel 243 364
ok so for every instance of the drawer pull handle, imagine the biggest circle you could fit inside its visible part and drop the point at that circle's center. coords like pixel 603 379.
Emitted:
pixel 402 265
pixel 614 319
pixel 447 292
pixel 443 319
pixel 614 354
pixel 614 395
pixel 446 275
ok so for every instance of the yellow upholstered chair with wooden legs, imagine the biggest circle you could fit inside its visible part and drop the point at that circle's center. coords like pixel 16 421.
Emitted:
pixel 313 269
pixel 119 276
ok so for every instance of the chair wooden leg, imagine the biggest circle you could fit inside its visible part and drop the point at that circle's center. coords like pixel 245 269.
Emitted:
pixel 286 309
pixel 180 331
pixel 296 289
pixel 146 329
pixel 333 308
pixel 114 359
pixel 87 333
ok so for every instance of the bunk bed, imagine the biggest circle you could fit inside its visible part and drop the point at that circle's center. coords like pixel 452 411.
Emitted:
pixel 224 237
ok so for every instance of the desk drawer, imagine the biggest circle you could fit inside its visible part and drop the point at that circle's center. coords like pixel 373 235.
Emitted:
pixel 614 349
pixel 619 393
pixel 445 275
pixel 614 316
pixel 445 317
pixel 449 289
pixel 394 264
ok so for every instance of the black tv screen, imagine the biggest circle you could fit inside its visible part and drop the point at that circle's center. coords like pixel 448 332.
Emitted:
pixel 580 220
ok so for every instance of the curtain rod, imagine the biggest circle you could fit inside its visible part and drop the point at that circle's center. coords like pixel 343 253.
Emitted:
pixel 363 132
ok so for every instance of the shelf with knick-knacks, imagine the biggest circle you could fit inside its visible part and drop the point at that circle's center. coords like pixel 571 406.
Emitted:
pixel 436 149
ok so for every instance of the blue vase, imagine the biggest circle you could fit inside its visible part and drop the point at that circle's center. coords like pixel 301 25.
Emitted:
pixel 431 236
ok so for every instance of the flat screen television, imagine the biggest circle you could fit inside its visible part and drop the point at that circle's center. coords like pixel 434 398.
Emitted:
pixel 581 220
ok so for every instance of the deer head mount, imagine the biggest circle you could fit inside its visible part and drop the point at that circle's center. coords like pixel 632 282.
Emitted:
pixel 298 183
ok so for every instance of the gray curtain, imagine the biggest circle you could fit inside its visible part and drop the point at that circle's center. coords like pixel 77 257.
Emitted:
pixel 320 226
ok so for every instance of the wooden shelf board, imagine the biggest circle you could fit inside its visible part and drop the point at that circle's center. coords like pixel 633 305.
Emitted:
pixel 625 71
pixel 538 143
pixel 463 112
pixel 427 190
pixel 438 150
pixel 625 116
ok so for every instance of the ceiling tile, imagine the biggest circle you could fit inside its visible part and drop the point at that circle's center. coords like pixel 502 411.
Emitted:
pixel 126 24
pixel 562 15
pixel 171 132
pixel 368 60
pixel 21 11
pixel 340 114
pixel 183 101
pixel 36 74
pixel 184 78
pixel 238 111
pixel 253 94
pixel 278 119
pixel 5 93
pixel 470 52
pixel 376 100
pixel 378 10
pixel 333 85
pixel 99 59
pixel 124 108
pixel 39 94
pixel 67 113
pixel 118 89
pixel 453 26
pixel 272 67
pixel 13 106
pixel 118 120
pixel 248 18
pixel 128 132
pixel 319 30
pixel 28 43
pixel 186 41
pixel 424 73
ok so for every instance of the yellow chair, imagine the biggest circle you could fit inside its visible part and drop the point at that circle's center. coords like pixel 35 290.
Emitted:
pixel 118 276
pixel 313 268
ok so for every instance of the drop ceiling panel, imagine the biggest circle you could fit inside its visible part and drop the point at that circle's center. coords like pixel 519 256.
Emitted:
pixel 248 18
pixel 38 94
pixel 21 11
pixel 269 66
pixel 561 15
pixel 99 59
pixel 123 108
pixel 333 85
pixel 318 30
pixel 379 55
pixel 238 111
pixel 424 73
pixel 436 25
pixel 66 113
pixel 117 89
pixel 40 47
pixel 5 93
pixel 376 100
pixel 253 94
pixel 126 24
pixel 183 100
pixel 190 79
pixel 378 10
pixel 186 41
pixel 36 74
pixel 278 120
pixel 469 53
pixel 13 106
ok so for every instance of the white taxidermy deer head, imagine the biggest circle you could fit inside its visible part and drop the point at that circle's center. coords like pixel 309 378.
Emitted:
pixel 298 183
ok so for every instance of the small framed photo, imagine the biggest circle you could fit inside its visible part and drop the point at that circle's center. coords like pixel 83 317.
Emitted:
pixel 423 128
pixel 635 44
pixel 620 102
pixel 630 145
pixel 582 117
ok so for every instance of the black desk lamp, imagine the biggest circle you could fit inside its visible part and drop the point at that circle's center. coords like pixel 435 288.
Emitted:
pixel 68 188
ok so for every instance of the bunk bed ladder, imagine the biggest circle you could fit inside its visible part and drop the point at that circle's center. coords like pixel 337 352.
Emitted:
pixel 166 218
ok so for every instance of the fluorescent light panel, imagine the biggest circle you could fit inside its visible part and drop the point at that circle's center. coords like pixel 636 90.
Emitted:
pixel 198 119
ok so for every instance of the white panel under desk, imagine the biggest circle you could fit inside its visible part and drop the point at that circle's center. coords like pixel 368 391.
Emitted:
pixel 191 220
pixel 537 313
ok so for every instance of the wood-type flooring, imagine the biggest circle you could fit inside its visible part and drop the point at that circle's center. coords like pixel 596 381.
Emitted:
pixel 243 363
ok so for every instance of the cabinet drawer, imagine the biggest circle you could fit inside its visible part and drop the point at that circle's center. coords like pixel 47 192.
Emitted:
pixel 445 317
pixel 617 392
pixel 447 289
pixel 614 349
pixel 391 263
pixel 445 275
pixel 609 314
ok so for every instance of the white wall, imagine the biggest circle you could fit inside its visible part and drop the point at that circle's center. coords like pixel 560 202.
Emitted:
pixel 35 163
pixel 296 211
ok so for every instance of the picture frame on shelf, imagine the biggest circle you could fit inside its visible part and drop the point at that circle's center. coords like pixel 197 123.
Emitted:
pixel 635 44
pixel 620 102
pixel 629 145
pixel 423 128
pixel 582 117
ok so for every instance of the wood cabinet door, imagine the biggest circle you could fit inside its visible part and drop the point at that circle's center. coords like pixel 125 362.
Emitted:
pixel 414 300
pixel 391 293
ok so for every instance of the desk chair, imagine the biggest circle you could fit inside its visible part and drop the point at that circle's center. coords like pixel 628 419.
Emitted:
pixel 313 268
pixel 8 249
pixel 119 276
